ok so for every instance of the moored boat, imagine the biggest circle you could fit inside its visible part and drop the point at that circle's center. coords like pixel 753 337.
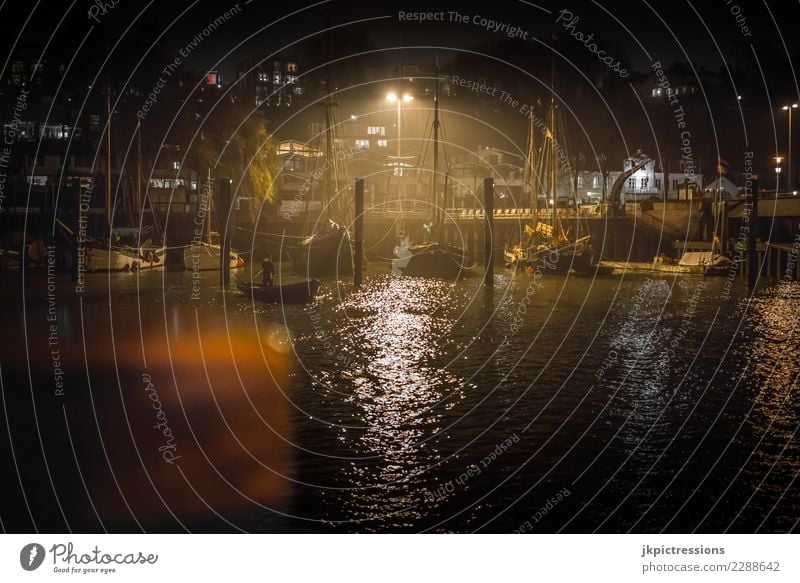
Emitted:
pixel 205 256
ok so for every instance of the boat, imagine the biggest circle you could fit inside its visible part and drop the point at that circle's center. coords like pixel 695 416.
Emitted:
pixel 432 257
pixel 204 256
pixel 706 263
pixel 101 256
pixel 326 252
pixel 292 293
pixel 547 246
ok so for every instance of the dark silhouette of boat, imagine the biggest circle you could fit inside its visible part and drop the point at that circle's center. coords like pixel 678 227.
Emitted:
pixel 328 252
pixel 431 259
pixel 292 293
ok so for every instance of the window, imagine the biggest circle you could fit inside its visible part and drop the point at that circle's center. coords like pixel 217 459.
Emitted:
pixel 176 165
pixel 276 78
pixel 376 130
pixel 52 131
pixel 276 65
pixel 631 183
pixel 193 184
pixel 298 90
pixel 295 164
pixel 263 77
pixel 168 184
pixel 658 183
pixel 291 78
pixel 37 180
pixel 595 182
pixel 675 184
pixel 383 144
pixel 580 181
pixel 362 144
pixel 644 182
pixel 291 67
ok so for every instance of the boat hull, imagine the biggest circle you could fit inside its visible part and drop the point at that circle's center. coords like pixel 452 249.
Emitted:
pixel 574 256
pixel 430 260
pixel 123 259
pixel 294 293
pixel 205 257
pixel 325 255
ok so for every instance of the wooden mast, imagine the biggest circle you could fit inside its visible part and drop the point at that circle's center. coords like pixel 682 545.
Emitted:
pixel 108 159
pixel 434 181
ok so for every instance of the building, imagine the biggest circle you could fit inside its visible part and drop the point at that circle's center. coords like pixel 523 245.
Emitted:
pixel 271 83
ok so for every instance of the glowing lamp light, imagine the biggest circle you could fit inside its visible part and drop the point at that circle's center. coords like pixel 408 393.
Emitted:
pixel 391 97
pixel 408 98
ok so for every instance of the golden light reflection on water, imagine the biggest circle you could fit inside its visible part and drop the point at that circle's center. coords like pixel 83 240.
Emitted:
pixel 399 388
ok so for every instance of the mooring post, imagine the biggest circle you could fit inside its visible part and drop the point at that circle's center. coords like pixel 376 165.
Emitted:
pixel 75 258
pixel 225 212
pixel 752 253
pixel 488 233
pixel 358 271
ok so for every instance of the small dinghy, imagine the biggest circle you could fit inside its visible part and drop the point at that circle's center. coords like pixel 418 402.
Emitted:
pixel 293 293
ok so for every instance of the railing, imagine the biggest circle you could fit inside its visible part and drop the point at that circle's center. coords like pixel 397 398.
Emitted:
pixel 467 214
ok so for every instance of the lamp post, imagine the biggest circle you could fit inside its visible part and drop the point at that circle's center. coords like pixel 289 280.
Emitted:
pixel 392 97
pixel 789 180
pixel 778 160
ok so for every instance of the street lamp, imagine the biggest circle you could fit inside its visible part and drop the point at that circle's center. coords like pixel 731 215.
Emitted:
pixel 789 181
pixel 778 160
pixel 392 97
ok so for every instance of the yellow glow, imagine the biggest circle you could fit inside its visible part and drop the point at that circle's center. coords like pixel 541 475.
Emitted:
pixel 391 97
pixel 408 97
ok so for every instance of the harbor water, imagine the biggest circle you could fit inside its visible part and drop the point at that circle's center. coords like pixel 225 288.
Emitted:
pixel 549 404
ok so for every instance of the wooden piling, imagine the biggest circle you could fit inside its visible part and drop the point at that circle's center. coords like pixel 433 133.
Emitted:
pixel 358 270
pixel 223 193
pixel 752 254
pixel 76 234
pixel 488 234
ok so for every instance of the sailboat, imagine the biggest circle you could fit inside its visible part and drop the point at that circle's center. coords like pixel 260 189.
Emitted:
pixel 432 257
pixel 203 255
pixel 111 254
pixel 328 251
pixel 549 246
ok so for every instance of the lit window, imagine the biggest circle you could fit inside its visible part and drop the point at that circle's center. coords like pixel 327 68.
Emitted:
pixel 580 181
pixel 176 165
pixel 37 180
pixel 263 77
pixel 376 130
pixel 276 78
pixel 362 144
pixel 291 67
pixel 298 90
pixel 291 78
pixel 383 144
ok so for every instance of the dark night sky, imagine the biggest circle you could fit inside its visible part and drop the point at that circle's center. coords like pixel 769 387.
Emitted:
pixel 702 35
